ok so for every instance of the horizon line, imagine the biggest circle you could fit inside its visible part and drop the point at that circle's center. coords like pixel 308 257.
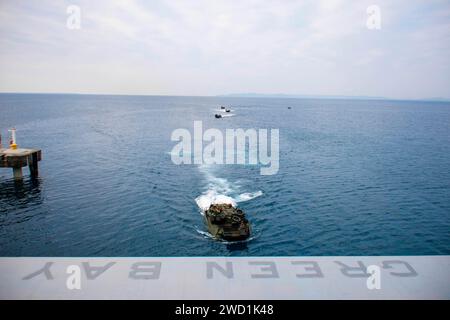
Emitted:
pixel 247 95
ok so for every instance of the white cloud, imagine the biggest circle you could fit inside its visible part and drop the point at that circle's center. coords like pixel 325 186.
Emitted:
pixel 212 47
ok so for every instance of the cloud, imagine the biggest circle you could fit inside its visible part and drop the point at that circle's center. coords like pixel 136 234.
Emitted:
pixel 213 47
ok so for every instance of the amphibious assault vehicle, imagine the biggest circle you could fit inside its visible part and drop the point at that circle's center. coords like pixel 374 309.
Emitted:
pixel 227 222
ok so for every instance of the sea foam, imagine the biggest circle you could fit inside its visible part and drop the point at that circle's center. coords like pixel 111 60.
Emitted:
pixel 220 190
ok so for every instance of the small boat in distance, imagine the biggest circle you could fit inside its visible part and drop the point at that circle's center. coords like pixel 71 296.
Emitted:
pixel 227 110
pixel 222 107
pixel 218 116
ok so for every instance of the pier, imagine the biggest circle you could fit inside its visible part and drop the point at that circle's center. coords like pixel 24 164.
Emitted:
pixel 19 158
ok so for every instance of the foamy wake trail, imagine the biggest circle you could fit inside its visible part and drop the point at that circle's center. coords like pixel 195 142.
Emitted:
pixel 228 115
pixel 211 197
pixel 248 196
pixel 220 191
pixel 223 110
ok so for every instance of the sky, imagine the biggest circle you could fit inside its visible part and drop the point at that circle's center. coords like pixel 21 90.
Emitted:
pixel 182 47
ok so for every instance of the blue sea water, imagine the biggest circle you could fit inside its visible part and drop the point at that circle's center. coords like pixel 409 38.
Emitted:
pixel 356 177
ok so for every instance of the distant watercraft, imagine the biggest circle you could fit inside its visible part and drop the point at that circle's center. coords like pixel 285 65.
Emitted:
pixel 218 116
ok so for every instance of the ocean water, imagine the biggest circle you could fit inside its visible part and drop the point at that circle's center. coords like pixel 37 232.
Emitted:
pixel 356 177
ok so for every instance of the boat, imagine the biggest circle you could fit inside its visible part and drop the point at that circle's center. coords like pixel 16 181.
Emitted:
pixel 222 107
pixel 218 116
pixel 227 110
pixel 227 222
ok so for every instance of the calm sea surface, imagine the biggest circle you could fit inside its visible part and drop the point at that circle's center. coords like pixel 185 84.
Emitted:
pixel 356 177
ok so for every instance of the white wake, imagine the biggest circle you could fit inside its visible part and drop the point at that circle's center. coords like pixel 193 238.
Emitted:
pixel 220 190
